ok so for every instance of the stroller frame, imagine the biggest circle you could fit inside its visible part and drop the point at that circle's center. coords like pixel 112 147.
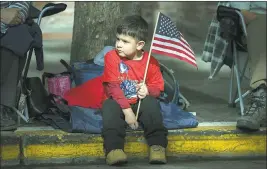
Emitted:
pixel 22 107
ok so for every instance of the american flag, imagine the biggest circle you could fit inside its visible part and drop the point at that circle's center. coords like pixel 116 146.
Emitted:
pixel 170 42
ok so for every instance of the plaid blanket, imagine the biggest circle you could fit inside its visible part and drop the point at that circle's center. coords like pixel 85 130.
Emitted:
pixel 215 47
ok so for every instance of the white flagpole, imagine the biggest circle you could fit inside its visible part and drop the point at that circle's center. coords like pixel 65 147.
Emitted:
pixel 147 64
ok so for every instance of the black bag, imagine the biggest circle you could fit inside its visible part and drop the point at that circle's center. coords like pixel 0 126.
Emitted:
pixel 46 107
pixel 37 96
pixel 57 115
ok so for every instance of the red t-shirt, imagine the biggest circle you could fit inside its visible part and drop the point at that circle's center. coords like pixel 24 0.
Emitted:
pixel 127 73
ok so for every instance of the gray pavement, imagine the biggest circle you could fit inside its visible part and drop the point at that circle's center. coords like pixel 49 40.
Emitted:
pixel 178 165
pixel 208 98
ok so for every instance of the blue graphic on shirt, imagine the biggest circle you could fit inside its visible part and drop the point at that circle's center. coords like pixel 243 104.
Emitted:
pixel 123 68
pixel 128 86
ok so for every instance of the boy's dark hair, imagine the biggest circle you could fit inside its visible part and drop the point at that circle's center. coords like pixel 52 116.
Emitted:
pixel 134 26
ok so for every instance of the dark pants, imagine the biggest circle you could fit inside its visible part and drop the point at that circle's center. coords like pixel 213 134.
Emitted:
pixel 257 50
pixel 150 117
pixel 11 69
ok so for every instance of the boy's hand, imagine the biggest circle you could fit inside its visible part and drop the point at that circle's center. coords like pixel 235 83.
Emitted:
pixel 130 118
pixel 11 16
pixel 142 90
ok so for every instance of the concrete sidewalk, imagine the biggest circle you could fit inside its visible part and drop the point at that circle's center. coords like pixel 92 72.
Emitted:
pixel 208 98
pixel 36 145
pixel 215 137
pixel 44 145
pixel 202 93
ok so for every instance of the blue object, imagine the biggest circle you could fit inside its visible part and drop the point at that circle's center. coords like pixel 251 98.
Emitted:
pixel 176 118
pixel 86 120
pixel 99 59
pixel 85 71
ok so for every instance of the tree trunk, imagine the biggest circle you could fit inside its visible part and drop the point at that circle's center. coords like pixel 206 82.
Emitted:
pixel 95 26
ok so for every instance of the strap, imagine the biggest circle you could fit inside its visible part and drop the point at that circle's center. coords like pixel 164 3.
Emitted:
pixel 58 114
pixel 54 119
pixel 52 97
pixel 66 65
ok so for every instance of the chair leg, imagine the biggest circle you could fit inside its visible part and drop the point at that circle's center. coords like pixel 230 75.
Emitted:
pixel 236 69
pixel 231 102
pixel 22 108
pixel 243 96
pixel 21 115
pixel 241 78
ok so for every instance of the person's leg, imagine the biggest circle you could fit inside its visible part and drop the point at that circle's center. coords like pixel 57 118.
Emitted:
pixel 257 50
pixel 255 114
pixel 9 76
pixel 154 131
pixel 113 132
pixel 8 85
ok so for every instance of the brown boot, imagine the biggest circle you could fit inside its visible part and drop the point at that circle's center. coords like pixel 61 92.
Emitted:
pixel 157 155
pixel 116 157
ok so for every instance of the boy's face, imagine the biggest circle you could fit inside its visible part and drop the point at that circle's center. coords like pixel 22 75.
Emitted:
pixel 127 46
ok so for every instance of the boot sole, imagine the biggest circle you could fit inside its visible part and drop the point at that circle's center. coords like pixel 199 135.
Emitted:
pixel 242 124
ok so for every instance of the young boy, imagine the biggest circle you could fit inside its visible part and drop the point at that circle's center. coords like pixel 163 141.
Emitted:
pixel 123 75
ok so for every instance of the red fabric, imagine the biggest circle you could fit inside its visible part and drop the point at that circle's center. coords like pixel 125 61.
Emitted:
pixel 136 70
pixel 89 95
pixel 92 93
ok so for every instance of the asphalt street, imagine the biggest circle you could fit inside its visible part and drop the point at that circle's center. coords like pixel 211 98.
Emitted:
pixel 237 164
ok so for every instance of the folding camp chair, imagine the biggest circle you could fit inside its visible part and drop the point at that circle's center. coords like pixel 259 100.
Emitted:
pixel 233 27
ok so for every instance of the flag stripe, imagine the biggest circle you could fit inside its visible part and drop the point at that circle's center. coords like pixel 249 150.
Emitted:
pixel 174 48
pixel 179 47
pixel 174 56
pixel 172 44
pixel 169 41
pixel 167 51
pixel 173 41
pixel 184 41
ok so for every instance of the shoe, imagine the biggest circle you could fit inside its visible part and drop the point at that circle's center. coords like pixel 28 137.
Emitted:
pixel 255 113
pixel 157 155
pixel 8 116
pixel 116 157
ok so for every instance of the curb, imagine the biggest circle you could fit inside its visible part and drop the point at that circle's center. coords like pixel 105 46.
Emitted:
pixel 45 145
pixel 10 149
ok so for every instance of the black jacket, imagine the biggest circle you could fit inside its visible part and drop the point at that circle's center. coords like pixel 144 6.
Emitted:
pixel 21 38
